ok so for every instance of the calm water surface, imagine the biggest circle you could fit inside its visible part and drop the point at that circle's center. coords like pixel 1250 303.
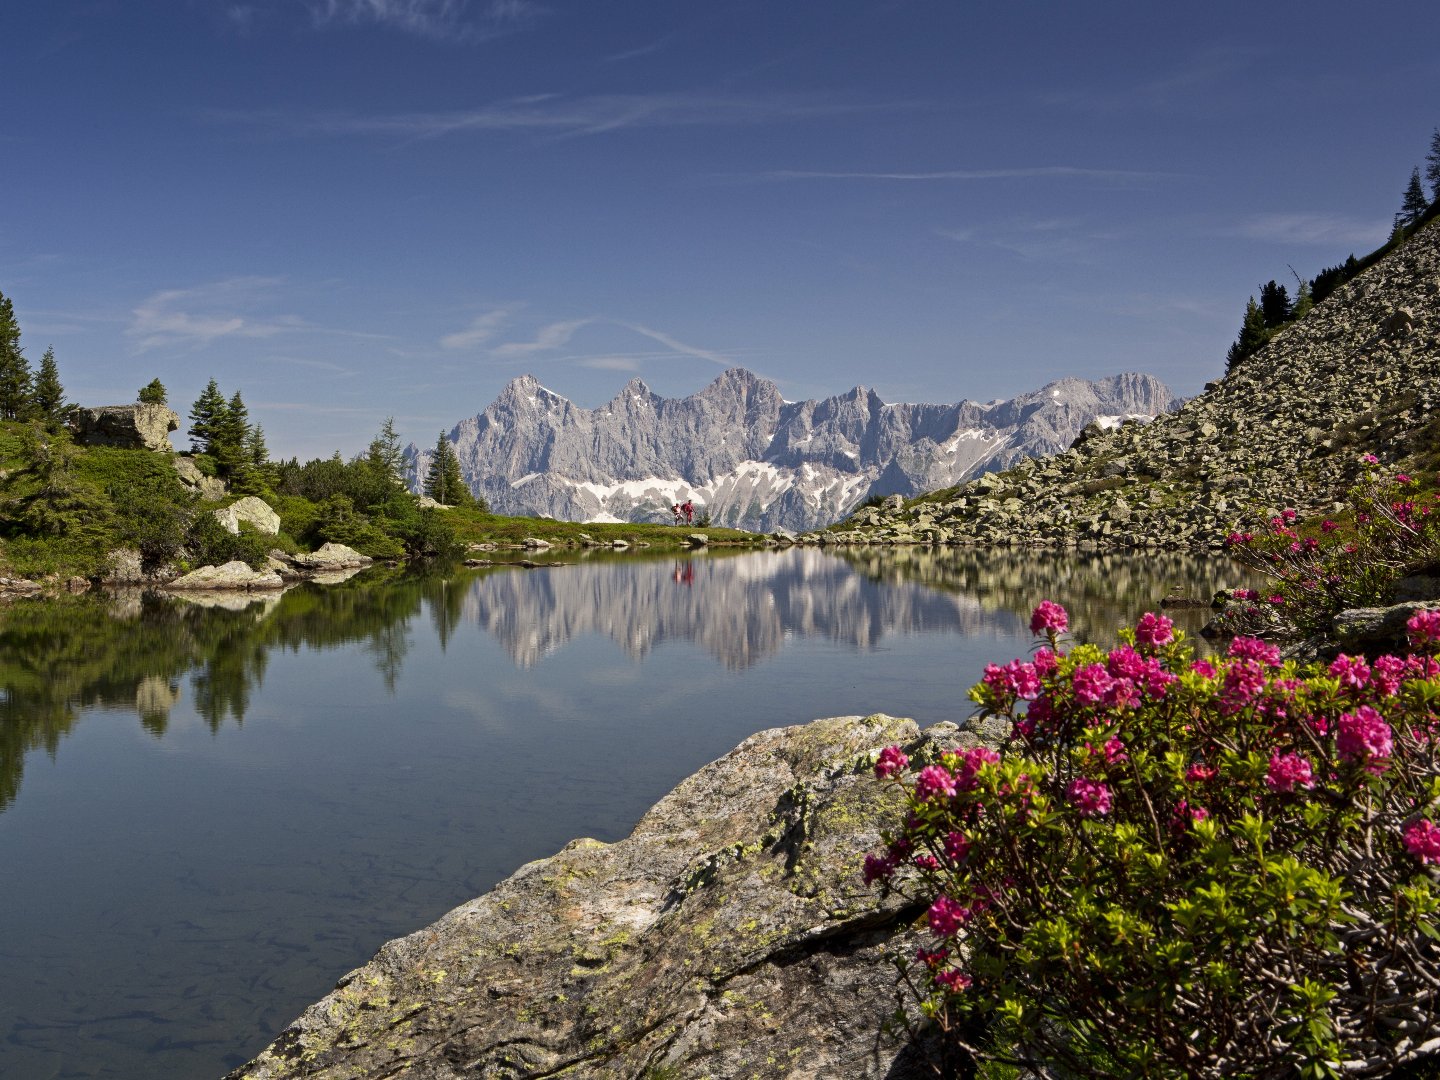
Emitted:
pixel 208 814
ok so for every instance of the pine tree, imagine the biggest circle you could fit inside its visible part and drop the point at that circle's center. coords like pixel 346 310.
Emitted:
pixel 1274 304
pixel 47 396
pixel 443 482
pixel 1432 165
pixel 153 393
pixel 14 368
pixel 207 412
pixel 1253 335
pixel 384 452
pixel 1415 204
pixel 230 433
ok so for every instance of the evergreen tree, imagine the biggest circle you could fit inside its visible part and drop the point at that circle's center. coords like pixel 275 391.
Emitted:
pixel 1415 204
pixel 1274 304
pixel 207 412
pixel 385 453
pixel 1304 301
pixel 230 434
pixel 47 396
pixel 153 393
pixel 1432 165
pixel 443 482
pixel 14 368
pixel 1253 335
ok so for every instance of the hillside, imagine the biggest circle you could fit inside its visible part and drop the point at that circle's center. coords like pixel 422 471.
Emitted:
pixel 1285 428
pixel 752 459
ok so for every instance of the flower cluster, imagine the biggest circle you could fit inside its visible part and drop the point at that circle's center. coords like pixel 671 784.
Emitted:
pixel 1200 839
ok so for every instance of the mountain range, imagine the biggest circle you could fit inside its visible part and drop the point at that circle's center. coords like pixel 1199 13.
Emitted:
pixel 752 460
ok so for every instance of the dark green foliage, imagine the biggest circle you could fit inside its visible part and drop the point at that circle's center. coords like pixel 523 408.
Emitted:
pixel 14 368
pixel 153 393
pixel 428 534
pixel 385 453
pixel 1331 278
pixel 1253 335
pixel 1432 164
pixel 1413 208
pixel 208 543
pixel 443 482
pixel 47 397
pixel 1274 304
pixel 206 415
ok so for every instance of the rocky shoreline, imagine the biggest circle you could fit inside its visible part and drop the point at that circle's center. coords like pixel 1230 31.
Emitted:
pixel 730 935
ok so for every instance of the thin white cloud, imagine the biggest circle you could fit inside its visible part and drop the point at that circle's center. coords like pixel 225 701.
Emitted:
pixel 481 329
pixel 198 316
pixel 1036 172
pixel 315 365
pixel 1329 229
pixel 442 20
pixel 554 336
pixel 555 115
pixel 611 363
pixel 679 346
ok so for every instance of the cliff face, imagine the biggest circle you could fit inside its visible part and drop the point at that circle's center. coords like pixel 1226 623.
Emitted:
pixel 751 459
pixel 1359 374
pixel 730 935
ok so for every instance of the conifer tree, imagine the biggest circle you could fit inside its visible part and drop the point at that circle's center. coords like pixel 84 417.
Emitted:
pixel 1415 204
pixel 384 452
pixel 443 482
pixel 14 368
pixel 153 393
pixel 1432 164
pixel 207 412
pixel 1253 335
pixel 230 433
pixel 47 396
pixel 1274 304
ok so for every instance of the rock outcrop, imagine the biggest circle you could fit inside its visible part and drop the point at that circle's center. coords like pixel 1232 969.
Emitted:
pixel 752 459
pixel 235 576
pixel 138 427
pixel 1286 428
pixel 330 557
pixel 730 935
pixel 208 488
pixel 254 511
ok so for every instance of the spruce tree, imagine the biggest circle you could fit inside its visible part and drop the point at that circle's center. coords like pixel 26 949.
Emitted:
pixel 384 452
pixel 1253 335
pixel 47 396
pixel 443 481
pixel 153 393
pixel 207 412
pixel 230 433
pixel 1432 165
pixel 14 368
pixel 1415 204
pixel 1274 304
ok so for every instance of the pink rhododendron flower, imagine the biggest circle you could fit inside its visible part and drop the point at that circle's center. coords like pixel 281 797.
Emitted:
pixel 947 916
pixel 1199 773
pixel 1122 694
pixel 1090 797
pixel 1045 662
pixel 1115 751
pixel 1287 772
pixel 957 845
pixel 1364 734
pixel 892 760
pixel 1386 675
pixel 1424 627
pixel 969 763
pixel 953 980
pixel 1249 648
pixel 926 862
pixel 1204 667
pixel 1352 671
pixel 878 868
pixel 1243 682
pixel 1422 840
pixel 1049 618
pixel 933 781
pixel 1184 814
pixel 1016 679
pixel 1153 630
pixel 1370 459
pixel 1125 663
pixel 1090 683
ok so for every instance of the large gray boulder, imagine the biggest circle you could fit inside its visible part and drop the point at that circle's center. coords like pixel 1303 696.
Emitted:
pixel 208 488
pixel 136 427
pixel 730 935
pixel 234 575
pixel 254 511
pixel 330 557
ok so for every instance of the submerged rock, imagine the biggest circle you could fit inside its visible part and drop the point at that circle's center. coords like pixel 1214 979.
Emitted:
pixel 730 935
pixel 234 575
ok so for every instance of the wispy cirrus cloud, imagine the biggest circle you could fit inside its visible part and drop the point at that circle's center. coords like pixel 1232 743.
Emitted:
pixel 204 314
pixel 1053 238
pixel 442 20
pixel 1023 173
pixel 556 335
pixel 555 115
pixel 680 346
pixel 481 329
pixel 1328 229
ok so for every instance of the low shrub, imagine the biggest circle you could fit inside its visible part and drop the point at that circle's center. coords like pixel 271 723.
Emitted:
pixel 1178 867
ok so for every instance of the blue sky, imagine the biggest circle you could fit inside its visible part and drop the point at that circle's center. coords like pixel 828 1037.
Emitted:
pixel 348 209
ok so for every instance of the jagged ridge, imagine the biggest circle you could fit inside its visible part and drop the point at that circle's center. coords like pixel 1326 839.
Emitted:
pixel 752 459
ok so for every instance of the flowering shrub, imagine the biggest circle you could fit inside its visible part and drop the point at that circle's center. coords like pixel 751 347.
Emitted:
pixel 1181 867
pixel 1391 529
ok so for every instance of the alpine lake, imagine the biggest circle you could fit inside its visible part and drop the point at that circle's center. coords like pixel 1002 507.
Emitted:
pixel 213 808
